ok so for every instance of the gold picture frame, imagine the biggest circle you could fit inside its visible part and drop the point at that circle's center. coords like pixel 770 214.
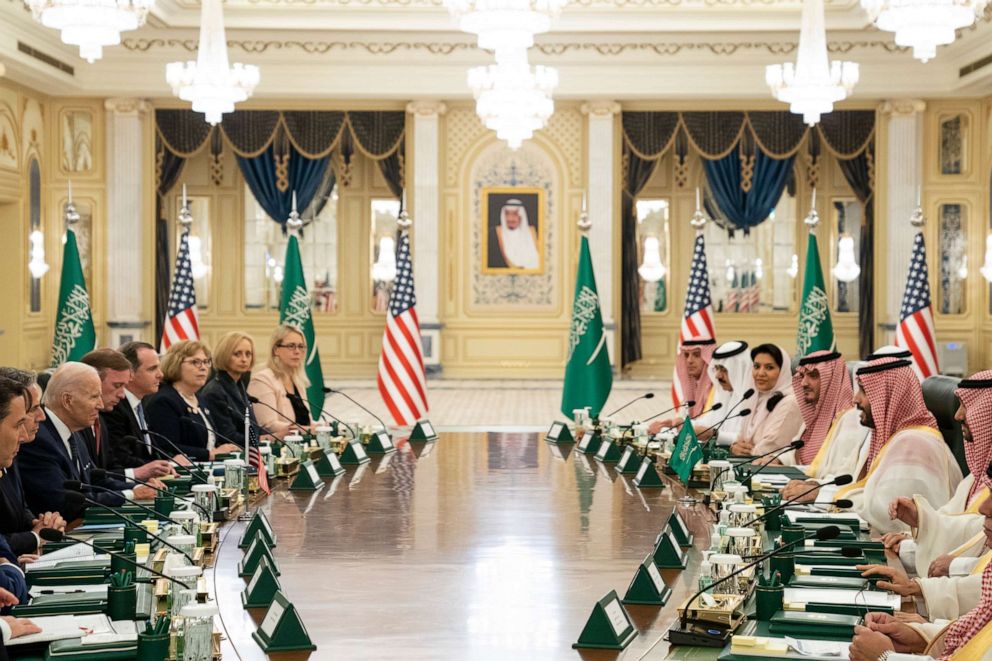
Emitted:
pixel 500 255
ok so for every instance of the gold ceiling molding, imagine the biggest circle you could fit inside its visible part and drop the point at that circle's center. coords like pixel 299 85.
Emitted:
pixel 581 3
pixel 258 46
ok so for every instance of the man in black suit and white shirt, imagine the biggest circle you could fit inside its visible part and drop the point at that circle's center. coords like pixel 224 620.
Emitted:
pixel 115 375
pixel 73 402
pixel 18 523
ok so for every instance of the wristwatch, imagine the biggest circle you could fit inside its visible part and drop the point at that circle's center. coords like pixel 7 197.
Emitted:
pixel 884 656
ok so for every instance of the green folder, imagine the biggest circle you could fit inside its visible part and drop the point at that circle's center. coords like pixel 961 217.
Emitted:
pixel 72 649
pixel 816 559
pixel 70 572
pixel 839 582
pixel 802 623
pixel 69 603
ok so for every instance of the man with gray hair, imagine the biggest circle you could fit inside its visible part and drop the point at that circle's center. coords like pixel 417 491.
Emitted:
pixel 17 522
pixel 72 403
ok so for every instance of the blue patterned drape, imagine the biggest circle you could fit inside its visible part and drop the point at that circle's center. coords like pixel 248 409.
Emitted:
pixel 303 175
pixel 745 210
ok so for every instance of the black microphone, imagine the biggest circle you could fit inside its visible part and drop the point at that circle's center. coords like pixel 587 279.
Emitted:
pixel 647 395
pixel 824 533
pixel 76 485
pixel 264 430
pixel 846 551
pixel 170 444
pixel 53 535
pixel 794 445
pixel 200 423
pixel 77 500
pixel 688 404
pixel 332 391
pixel 746 396
pixel 98 474
pixel 739 414
pixel 191 471
pixel 840 481
pixel 841 504
pixel 256 400
pixel 688 418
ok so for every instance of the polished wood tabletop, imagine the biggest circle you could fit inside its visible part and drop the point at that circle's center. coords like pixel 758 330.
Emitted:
pixel 483 545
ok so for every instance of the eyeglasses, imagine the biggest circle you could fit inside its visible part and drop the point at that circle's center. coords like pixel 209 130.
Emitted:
pixel 198 363
pixel 293 347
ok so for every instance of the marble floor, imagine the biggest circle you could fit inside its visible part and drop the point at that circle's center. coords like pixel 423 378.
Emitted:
pixel 497 405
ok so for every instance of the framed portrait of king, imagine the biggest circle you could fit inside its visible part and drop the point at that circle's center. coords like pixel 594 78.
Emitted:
pixel 513 230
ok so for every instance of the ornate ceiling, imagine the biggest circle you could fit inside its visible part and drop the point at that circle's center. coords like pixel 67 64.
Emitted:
pixel 629 50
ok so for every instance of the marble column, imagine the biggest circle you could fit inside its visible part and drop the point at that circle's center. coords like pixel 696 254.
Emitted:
pixel 601 197
pixel 425 213
pixel 126 223
pixel 903 154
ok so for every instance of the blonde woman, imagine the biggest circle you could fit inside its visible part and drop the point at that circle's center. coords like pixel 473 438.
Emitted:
pixel 281 386
pixel 177 412
pixel 226 392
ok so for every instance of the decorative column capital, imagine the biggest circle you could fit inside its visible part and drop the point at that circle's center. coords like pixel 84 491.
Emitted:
pixel 125 105
pixel 903 107
pixel 601 108
pixel 426 108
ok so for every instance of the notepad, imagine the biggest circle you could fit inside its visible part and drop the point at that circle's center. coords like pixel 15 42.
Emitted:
pixel 61 627
pixel 873 598
pixel 67 563
pixel 788 647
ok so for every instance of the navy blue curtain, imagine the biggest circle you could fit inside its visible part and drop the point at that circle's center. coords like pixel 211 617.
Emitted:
pixel 304 175
pixel 168 174
pixel 747 210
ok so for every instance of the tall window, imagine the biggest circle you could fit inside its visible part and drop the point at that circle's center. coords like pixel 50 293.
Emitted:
pixel 953 246
pixel 199 244
pixel 265 252
pixel 653 255
pixel 847 215
pixel 755 272
pixel 34 225
pixel 382 247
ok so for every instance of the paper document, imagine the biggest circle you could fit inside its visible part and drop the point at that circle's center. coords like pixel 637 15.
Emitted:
pixel 60 627
pixel 67 563
pixel 874 598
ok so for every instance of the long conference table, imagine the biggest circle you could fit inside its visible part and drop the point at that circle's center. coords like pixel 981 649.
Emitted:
pixel 483 545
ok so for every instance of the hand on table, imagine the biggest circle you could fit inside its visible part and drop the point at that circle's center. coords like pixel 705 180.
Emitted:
pixel 153 469
pixel 48 520
pixel 868 645
pixel 20 626
pixel 905 510
pixel 742 448
pixel 181 460
pixel 892 540
pixel 658 425
pixel 905 638
pixel 27 558
pixel 226 448
pixel 796 487
pixel 897 580
pixel 8 598
pixel 941 566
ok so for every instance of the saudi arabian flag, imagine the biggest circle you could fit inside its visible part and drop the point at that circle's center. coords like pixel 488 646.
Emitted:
pixel 295 310
pixel 816 332
pixel 588 378
pixel 686 454
pixel 74 332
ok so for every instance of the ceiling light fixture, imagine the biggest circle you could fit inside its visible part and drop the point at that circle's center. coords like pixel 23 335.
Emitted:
pixel 91 24
pixel 505 23
pixel 210 83
pixel 813 84
pixel 923 24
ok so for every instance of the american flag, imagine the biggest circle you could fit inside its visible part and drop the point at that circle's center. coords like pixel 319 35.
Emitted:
pixel 754 293
pixel 402 380
pixel 181 322
pixel 255 459
pixel 916 332
pixel 697 320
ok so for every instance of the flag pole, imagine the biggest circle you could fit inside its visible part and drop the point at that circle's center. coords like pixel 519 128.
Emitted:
pixel 246 513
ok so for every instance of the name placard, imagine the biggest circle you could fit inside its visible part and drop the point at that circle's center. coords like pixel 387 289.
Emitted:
pixel 584 443
pixel 608 627
pixel 359 451
pixel 272 618
pixel 645 463
pixel 618 618
pixel 281 629
pixel 384 440
pixel 659 582
pixel 312 472
pixel 604 447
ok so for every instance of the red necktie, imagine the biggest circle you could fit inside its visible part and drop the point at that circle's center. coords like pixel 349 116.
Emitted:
pixel 96 435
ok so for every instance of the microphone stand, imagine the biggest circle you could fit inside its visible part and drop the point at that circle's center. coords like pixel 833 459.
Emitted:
pixel 689 404
pixel 332 391
pixel 70 484
pixel 172 445
pixel 702 636
pixel 649 395
pixel 84 499
pixel 96 474
pixel 795 445
pixel 52 535
pixel 840 479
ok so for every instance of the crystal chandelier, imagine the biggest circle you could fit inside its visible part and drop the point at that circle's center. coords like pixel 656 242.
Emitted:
pixel 846 269
pixel 651 269
pixel 511 98
pixel 210 83
pixel 923 24
pixel 813 84
pixel 91 24
pixel 505 23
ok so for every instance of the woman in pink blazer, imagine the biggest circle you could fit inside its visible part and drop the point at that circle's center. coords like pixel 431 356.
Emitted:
pixel 281 386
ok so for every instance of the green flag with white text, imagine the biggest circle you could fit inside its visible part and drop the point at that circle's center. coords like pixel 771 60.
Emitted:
pixel 74 332
pixel 295 310
pixel 816 331
pixel 588 377
pixel 686 454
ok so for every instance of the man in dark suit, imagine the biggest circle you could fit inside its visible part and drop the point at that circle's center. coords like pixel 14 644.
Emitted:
pixel 72 403
pixel 17 522
pixel 115 375
pixel 13 431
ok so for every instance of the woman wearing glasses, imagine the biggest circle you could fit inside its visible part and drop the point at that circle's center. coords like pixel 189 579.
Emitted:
pixel 177 412
pixel 281 386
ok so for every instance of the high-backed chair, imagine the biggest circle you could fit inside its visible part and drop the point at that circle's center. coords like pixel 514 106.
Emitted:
pixel 938 394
